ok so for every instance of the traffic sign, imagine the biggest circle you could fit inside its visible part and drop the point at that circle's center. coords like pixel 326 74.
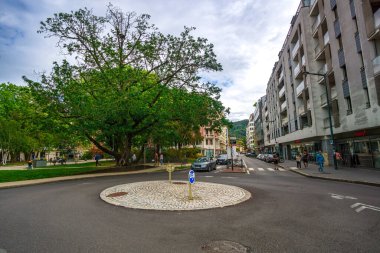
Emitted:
pixel 191 177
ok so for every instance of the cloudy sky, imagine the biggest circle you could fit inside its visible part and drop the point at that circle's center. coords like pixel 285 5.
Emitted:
pixel 247 35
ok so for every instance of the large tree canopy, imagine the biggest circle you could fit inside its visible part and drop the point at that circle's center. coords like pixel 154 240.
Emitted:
pixel 128 81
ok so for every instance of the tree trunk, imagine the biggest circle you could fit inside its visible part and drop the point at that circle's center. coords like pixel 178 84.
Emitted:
pixel 141 153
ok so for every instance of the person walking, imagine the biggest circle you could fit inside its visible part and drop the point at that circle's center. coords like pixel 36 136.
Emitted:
pixel 276 157
pixel 320 160
pixel 305 159
pixel 298 160
pixel 155 158
pixel 97 158
pixel 161 159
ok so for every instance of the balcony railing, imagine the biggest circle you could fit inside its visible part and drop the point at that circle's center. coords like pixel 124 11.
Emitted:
pixel 283 106
pixel 282 92
pixel 303 60
pixel 281 76
pixel 357 41
pixel 295 49
pixel 284 120
pixel 337 28
pixel 323 99
pixel 363 76
pixel 341 58
pixel 297 70
pixel 301 109
pixel 317 50
pixel 326 38
pixel 300 88
pixel 326 122
pixel 376 65
pixel 376 17
pixel 316 23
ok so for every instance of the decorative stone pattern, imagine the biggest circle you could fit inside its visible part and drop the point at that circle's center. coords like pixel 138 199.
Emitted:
pixel 161 195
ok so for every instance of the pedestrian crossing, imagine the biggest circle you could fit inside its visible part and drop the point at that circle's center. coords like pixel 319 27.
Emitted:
pixel 264 169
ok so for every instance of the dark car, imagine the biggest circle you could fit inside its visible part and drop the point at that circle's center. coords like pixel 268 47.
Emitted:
pixel 204 164
pixel 269 158
pixel 222 159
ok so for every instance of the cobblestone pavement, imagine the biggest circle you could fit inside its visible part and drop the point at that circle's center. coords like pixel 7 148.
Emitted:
pixel 161 195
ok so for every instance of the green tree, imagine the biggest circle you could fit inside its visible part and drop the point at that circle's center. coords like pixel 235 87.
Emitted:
pixel 123 87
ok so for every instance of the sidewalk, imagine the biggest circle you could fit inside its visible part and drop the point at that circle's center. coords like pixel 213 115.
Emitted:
pixel 358 175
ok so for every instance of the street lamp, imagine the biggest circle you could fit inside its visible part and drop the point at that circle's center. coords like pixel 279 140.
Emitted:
pixel 332 142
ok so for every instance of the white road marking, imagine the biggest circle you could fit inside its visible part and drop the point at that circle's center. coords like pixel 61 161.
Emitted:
pixel 364 206
pixel 294 168
pixel 270 169
pixel 260 169
pixel 228 177
pixel 251 169
pixel 208 176
pixel 337 196
pixel 281 169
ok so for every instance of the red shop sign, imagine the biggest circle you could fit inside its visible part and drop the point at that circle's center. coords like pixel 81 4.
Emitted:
pixel 359 133
pixel 297 141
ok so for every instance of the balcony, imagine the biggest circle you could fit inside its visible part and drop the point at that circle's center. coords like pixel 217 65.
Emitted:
pixel 297 71
pixel 376 65
pixel 295 49
pixel 342 61
pixel 363 76
pixel 324 100
pixel 357 41
pixel 266 114
pixel 284 121
pixel 301 109
pixel 326 38
pixel 281 76
pixel 300 88
pixel 326 122
pixel 337 28
pixel 316 23
pixel 282 92
pixel 283 106
pixel 303 61
pixel 376 17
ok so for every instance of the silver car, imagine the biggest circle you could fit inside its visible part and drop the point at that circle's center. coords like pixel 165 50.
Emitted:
pixel 204 164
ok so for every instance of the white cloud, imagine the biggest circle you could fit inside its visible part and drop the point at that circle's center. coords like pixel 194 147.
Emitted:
pixel 247 35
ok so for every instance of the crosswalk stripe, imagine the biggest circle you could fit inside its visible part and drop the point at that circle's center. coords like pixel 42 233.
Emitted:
pixel 251 169
pixel 294 168
pixel 281 169
pixel 270 169
pixel 260 169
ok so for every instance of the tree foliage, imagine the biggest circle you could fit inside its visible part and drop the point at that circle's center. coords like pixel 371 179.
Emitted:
pixel 129 82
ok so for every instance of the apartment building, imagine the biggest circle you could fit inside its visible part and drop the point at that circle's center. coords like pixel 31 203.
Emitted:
pixel 213 143
pixel 258 126
pixel 250 133
pixel 329 65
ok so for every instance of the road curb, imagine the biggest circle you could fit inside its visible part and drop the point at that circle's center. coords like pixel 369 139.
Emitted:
pixel 335 179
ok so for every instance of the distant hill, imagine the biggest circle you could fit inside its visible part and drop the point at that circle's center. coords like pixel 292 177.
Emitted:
pixel 238 129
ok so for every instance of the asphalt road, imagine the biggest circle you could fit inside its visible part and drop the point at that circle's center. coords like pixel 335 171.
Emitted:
pixel 287 213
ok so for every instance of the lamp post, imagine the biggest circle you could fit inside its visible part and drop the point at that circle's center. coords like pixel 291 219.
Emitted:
pixel 332 142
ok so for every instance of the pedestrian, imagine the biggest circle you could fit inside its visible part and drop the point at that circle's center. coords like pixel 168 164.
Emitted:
pixel 97 158
pixel 298 160
pixel 134 158
pixel 161 159
pixel 275 161
pixel 320 161
pixel 305 159
pixel 155 159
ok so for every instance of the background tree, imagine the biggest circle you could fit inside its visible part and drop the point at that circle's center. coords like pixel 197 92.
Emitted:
pixel 125 75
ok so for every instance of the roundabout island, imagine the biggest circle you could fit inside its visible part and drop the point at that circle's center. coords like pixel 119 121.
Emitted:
pixel 174 196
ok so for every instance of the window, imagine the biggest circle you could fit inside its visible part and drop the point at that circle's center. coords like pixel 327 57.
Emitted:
pixel 368 104
pixel 349 105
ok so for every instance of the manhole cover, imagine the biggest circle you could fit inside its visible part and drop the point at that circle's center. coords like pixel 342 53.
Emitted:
pixel 225 247
pixel 116 194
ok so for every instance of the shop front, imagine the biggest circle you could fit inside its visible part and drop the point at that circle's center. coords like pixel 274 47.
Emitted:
pixel 299 147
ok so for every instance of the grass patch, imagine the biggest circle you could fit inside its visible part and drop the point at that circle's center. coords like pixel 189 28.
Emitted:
pixel 52 171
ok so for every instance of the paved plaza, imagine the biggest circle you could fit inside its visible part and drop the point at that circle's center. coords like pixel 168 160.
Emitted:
pixel 162 195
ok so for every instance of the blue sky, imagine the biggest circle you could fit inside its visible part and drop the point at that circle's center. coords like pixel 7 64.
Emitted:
pixel 247 35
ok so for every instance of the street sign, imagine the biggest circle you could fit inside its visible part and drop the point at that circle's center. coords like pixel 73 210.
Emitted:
pixel 191 177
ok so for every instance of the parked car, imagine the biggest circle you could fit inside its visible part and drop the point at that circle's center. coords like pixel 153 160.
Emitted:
pixel 251 154
pixel 204 164
pixel 222 159
pixel 260 156
pixel 269 158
